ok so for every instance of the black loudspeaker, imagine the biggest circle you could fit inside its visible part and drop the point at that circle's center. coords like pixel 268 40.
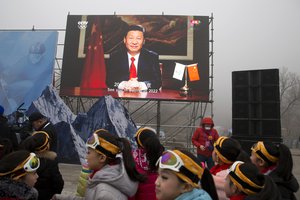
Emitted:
pixel 256 106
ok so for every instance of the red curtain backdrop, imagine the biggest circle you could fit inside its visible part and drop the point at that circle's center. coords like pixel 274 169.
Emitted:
pixel 94 72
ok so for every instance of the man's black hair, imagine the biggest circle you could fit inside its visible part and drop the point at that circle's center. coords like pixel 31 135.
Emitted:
pixel 135 28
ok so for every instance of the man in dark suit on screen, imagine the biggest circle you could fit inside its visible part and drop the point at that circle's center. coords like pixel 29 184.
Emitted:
pixel 133 68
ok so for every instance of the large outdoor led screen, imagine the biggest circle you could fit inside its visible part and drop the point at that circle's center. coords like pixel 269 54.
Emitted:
pixel 174 57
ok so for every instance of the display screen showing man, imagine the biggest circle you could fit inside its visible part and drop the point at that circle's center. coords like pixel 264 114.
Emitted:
pixel 133 68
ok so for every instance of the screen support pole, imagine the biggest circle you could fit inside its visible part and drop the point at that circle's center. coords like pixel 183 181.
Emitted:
pixel 158 119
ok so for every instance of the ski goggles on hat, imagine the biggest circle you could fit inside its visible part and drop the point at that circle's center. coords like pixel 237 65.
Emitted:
pixel 242 181
pixel 184 167
pixel 260 150
pixel 102 146
pixel 31 164
pixel 170 160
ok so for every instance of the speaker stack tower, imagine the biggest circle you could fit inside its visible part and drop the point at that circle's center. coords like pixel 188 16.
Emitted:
pixel 256 106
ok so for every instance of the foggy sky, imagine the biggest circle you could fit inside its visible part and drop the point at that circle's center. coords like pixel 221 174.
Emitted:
pixel 256 34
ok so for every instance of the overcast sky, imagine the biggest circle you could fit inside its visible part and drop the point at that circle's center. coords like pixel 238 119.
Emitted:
pixel 253 34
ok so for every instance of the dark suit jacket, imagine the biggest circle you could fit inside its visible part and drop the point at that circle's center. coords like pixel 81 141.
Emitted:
pixel 117 69
pixel 50 129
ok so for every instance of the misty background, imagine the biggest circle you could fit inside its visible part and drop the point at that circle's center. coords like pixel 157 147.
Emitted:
pixel 248 35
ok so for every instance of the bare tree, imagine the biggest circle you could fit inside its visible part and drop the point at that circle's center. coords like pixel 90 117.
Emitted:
pixel 290 105
pixel 289 90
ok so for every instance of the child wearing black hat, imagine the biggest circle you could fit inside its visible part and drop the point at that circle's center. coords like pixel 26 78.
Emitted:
pixel 18 175
pixel 226 151
pixel 50 180
pixel 276 161
pixel 245 182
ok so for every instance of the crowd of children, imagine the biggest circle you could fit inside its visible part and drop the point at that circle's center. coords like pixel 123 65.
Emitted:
pixel 117 171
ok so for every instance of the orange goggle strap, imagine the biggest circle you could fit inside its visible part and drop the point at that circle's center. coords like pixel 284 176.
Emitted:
pixel 241 181
pixel 260 150
pixel 138 133
pixel 104 147
pixel 46 145
pixel 218 148
pixel 19 170
pixel 191 172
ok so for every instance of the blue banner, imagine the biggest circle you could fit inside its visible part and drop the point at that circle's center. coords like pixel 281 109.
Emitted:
pixel 26 66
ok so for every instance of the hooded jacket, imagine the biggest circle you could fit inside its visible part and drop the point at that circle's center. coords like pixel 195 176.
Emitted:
pixel 287 188
pixel 18 190
pixel 195 194
pixel 110 183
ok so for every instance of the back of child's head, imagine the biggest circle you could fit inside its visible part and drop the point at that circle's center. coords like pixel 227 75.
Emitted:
pixel 229 150
pixel 16 164
pixel 247 178
pixel 188 169
pixel 275 154
pixel 147 139
pixel 38 142
pixel 111 145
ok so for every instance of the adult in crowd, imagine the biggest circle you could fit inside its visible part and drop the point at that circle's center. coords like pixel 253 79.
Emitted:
pixel 18 175
pixel 40 123
pixel 204 138
pixel 133 67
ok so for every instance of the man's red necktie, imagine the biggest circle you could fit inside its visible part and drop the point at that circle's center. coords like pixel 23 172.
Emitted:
pixel 132 69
